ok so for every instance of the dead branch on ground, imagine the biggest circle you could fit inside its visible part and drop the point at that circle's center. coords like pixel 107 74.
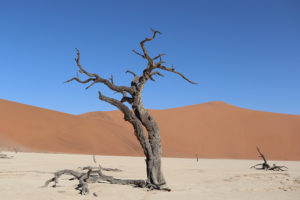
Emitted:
pixel 266 166
pixel 95 175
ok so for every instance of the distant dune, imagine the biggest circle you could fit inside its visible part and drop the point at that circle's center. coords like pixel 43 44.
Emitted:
pixel 211 130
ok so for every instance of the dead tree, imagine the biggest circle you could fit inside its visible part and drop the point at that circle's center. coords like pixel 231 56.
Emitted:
pixel 92 175
pixel 2 155
pixel 137 115
pixel 266 166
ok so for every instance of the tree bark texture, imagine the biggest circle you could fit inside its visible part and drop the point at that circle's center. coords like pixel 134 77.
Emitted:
pixel 137 115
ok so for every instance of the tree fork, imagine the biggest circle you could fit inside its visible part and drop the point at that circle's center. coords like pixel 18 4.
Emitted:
pixel 138 117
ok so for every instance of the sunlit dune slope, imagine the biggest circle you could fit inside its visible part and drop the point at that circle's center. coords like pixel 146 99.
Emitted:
pixel 211 130
pixel 39 129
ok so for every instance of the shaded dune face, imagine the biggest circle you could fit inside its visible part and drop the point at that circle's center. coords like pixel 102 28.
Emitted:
pixel 211 130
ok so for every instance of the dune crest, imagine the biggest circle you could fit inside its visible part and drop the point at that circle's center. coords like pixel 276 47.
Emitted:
pixel 211 130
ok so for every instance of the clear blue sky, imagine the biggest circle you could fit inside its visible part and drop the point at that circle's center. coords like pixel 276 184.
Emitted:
pixel 246 53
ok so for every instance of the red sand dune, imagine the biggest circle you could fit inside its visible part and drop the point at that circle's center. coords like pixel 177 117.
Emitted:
pixel 211 130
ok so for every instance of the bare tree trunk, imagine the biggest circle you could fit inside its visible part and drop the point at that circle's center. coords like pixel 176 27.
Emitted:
pixel 154 170
pixel 153 164
pixel 154 173
pixel 139 117
pixel 153 154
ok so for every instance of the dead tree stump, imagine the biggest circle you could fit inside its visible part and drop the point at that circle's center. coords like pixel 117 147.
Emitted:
pixel 266 166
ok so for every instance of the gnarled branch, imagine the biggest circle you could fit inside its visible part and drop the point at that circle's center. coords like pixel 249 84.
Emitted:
pixel 122 107
pixel 131 118
pixel 98 79
pixel 159 56
pixel 137 53
pixel 82 70
pixel 174 71
pixel 85 81
pixel 266 166
pixel 93 176
pixel 156 73
pixel 261 155
pixel 278 168
pixel 142 43
pixel 80 81
pixel 135 79
pixel 128 71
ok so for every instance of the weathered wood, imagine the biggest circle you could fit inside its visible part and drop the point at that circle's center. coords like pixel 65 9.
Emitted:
pixel 266 166
pixel 138 116
pixel 93 175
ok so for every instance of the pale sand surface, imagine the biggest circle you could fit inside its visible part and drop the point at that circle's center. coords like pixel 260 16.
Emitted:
pixel 22 177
